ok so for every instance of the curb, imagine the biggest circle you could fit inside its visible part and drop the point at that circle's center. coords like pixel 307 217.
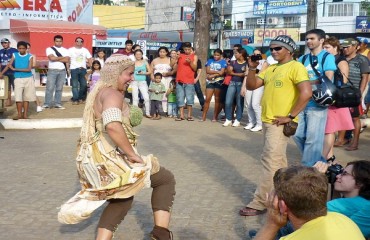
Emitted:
pixel 51 123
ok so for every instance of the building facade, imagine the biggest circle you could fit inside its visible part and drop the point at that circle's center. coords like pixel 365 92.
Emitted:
pixel 168 15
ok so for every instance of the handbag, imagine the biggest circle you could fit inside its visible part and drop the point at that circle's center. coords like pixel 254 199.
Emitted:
pixel 347 95
pixel 227 79
pixel 290 128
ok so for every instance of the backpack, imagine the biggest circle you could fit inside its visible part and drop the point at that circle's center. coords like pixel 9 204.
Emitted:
pixel 325 93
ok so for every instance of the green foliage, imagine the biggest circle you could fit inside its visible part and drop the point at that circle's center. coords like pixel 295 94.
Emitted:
pixel 102 2
pixel 366 6
pixel 227 25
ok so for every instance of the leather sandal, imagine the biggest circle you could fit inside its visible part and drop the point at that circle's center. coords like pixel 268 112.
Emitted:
pixel 351 148
pixel 247 211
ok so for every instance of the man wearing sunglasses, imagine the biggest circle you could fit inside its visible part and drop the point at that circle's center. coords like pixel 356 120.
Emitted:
pixel 5 55
pixel 287 91
pixel 358 74
pixel 80 58
pixel 312 120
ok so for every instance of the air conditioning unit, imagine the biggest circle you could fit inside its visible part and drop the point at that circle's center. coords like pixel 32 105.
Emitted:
pixel 272 20
pixel 260 21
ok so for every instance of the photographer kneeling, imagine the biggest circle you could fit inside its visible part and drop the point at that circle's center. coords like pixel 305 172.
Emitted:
pixel 300 197
pixel 353 184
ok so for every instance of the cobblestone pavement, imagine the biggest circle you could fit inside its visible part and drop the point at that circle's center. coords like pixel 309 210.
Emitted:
pixel 216 170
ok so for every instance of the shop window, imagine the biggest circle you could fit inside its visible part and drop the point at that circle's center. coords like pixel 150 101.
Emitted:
pixel 341 10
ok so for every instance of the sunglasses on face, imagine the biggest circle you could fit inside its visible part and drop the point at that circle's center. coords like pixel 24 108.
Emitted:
pixel 79 41
pixel 276 49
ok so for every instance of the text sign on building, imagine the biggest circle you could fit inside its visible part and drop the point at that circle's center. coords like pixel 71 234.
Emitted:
pixel 278 7
pixel 237 34
pixel 66 10
pixel 110 43
pixel 265 36
pixel 362 24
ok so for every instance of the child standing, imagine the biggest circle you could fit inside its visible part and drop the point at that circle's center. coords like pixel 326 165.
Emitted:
pixel 156 91
pixel 171 100
pixel 24 87
pixel 94 76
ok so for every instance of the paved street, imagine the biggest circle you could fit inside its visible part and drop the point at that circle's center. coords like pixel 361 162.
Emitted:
pixel 216 170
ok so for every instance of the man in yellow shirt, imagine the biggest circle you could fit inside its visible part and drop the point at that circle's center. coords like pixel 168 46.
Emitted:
pixel 287 91
pixel 300 197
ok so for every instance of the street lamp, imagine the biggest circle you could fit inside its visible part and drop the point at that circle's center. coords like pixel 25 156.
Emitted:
pixel 191 25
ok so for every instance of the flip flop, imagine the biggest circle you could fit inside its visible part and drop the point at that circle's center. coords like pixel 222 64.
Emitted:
pixel 190 119
pixel 179 119
pixel 247 211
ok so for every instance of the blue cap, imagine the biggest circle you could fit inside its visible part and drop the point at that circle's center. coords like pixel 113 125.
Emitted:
pixel 363 40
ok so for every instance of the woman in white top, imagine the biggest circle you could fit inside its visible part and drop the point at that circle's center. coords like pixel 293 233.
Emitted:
pixel 142 69
pixel 162 65
pixel 253 100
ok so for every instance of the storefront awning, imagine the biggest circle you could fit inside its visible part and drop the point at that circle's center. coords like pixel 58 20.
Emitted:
pixel 57 27
pixel 174 36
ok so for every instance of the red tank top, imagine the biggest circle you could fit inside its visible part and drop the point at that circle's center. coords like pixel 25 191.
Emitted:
pixel 185 74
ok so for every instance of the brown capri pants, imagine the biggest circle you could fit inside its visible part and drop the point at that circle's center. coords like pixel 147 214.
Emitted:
pixel 163 184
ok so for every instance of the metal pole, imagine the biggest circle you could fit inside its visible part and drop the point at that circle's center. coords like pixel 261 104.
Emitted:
pixel 222 25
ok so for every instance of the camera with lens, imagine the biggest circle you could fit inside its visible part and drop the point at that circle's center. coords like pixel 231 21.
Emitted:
pixel 333 171
pixel 257 57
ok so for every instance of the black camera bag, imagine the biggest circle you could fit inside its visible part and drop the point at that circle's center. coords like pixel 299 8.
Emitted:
pixel 347 96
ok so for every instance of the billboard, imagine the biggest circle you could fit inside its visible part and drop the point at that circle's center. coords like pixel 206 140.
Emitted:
pixel 264 36
pixel 363 24
pixel 279 7
pixel 67 10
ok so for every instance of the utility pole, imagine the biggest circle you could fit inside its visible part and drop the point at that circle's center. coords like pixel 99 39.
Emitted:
pixel 222 19
pixel 201 33
pixel 311 15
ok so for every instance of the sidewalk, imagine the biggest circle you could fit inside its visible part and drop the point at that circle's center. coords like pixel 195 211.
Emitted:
pixel 71 117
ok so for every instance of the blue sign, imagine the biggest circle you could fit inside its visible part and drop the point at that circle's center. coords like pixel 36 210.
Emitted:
pixel 278 7
pixel 362 24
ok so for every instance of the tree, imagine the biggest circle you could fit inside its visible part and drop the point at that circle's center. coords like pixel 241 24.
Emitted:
pixel 366 6
pixel 102 2
pixel 201 33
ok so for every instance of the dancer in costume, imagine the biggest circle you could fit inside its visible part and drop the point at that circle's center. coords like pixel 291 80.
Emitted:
pixel 109 167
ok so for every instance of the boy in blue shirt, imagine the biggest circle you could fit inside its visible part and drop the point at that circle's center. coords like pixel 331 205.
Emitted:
pixel 24 88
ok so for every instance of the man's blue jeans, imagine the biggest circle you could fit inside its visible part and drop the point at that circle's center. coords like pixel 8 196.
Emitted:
pixel 310 133
pixel 233 91
pixel 79 84
pixel 55 83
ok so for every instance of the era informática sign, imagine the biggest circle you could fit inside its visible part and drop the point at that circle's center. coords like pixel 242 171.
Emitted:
pixel 67 10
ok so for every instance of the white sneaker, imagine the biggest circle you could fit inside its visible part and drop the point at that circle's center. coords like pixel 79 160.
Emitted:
pixel 249 126
pixel 59 107
pixel 236 123
pixel 256 128
pixel 227 123
pixel 39 109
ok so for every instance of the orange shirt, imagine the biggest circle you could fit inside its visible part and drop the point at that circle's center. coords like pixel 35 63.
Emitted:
pixel 185 74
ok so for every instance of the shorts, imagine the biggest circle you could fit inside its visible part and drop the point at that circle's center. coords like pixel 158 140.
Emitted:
pixel 214 85
pixel 24 90
pixel 183 91
pixel 356 111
